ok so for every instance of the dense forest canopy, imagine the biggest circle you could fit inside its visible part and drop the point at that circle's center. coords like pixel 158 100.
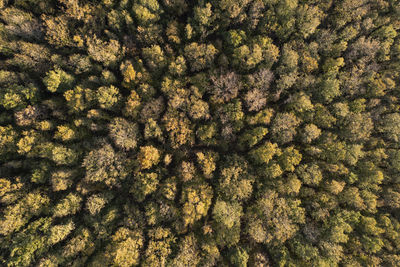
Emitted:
pixel 199 133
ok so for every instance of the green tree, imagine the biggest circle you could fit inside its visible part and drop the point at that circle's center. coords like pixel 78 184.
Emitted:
pixel 8 138
pixel 95 203
pixel 58 80
pixel 289 158
pixel 390 126
pixel 154 57
pixel 200 56
pixel 30 243
pixel 208 162
pixel 18 96
pixel 179 128
pixel 62 179
pixel 310 174
pixel 252 137
pixel 357 127
pixel 226 216
pixel 144 184
pixel 310 132
pixel 264 153
pixel 108 97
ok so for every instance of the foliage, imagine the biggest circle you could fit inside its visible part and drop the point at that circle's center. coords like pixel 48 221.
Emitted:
pixel 199 133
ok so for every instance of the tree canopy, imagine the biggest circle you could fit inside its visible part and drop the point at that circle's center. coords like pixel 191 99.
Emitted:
pixel 199 133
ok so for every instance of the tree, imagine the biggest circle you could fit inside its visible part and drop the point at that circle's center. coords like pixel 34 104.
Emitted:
pixel 58 80
pixel 81 242
pixel 239 257
pixel 95 203
pixel 206 133
pixel 60 232
pixel 154 57
pixel 309 17
pixel 79 99
pixel 264 153
pixel 125 247
pixel 198 109
pixel 247 58
pixel 207 161
pixel 18 96
pixel 179 128
pixel 17 215
pixel 273 220
pixel 69 205
pixel 284 126
pixel 159 247
pixel 196 200
pixel 200 56
pixel 30 243
pixel 357 127
pixel 309 133
pixel 132 105
pixel 106 52
pixel 65 133
pixel 225 87
pixel 178 67
pixel 124 133
pixel 128 72
pixel 62 179
pixel 21 24
pixel 146 12
pixel 8 138
pixel 57 31
pixel 235 183
pixel 188 252
pixel 262 117
pixel 30 56
pixel 108 97
pixel 390 126
pixel 153 130
pixel 310 174
pixel 322 117
pixel 231 9
pixel 289 158
pixel 252 137
pixel 152 109
pixel 148 156
pixel 301 104
pixel 232 115
pixel 227 214
pixel 104 165
pixel 144 184
pixel 330 89
pixel 62 155
pixel 255 99
pixel 226 217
